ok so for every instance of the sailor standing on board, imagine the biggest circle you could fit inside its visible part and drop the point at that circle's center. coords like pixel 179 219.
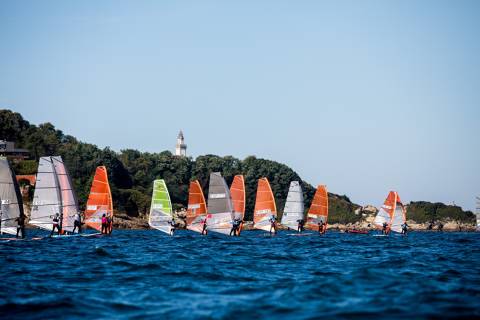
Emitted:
pixel 104 224
pixel 404 228
pixel 172 226
pixel 273 224
pixel 204 226
pixel 109 225
pixel 20 225
pixel 301 223
pixel 55 224
pixel 384 228
pixel 321 227
pixel 77 223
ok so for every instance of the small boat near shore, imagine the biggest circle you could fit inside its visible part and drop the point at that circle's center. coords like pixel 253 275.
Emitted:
pixel 392 213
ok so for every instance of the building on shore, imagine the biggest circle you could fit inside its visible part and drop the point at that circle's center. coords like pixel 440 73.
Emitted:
pixel 181 147
pixel 7 149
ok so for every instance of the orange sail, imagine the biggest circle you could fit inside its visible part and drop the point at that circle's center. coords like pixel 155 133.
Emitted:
pixel 392 212
pixel 99 200
pixel 197 208
pixel 265 206
pixel 237 190
pixel 318 209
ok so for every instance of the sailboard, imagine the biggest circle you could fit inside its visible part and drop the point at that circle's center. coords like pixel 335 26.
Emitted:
pixel 11 206
pixel 53 194
pixel 265 206
pixel 197 208
pixel 99 201
pixel 220 206
pixel 237 190
pixel 294 207
pixel 392 212
pixel 318 211
pixel 161 214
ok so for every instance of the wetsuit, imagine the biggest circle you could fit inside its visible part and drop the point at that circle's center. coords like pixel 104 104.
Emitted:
pixel 404 228
pixel 77 223
pixel 440 226
pixel 109 225
pixel 273 225
pixel 172 227
pixel 384 229
pixel 104 225
pixel 301 223
pixel 235 227
pixel 55 226
pixel 320 227
pixel 204 226
pixel 21 225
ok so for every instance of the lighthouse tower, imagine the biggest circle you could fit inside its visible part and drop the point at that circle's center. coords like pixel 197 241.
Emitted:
pixel 181 147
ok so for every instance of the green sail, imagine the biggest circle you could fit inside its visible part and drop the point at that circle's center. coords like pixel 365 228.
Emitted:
pixel 161 207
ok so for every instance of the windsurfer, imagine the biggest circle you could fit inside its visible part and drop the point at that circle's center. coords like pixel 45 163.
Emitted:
pixel 104 224
pixel 204 226
pixel 235 227
pixel 77 223
pixel 55 224
pixel 273 224
pixel 301 223
pixel 404 228
pixel 321 227
pixel 172 226
pixel 109 224
pixel 440 226
pixel 384 228
pixel 20 225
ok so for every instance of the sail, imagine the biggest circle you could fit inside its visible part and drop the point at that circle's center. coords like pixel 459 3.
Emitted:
pixel 160 217
pixel 265 206
pixel 11 206
pixel 69 207
pixel 294 207
pixel 220 207
pixel 392 212
pixel 47 201
pixel 197 208
pixel 237 190
pixel 478 213
pixel 99 200
pixel 318 209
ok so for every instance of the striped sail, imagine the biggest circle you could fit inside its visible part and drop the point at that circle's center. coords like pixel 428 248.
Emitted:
pixel 99 201
pixel 69 207
pixel 294 207
pixel 220 207
pixel 392 212
pixel 318 209
pixel 265 206
pixel 197 208
pixel 47 201
pixel 478 213
pixel 11 206
pixel 161 215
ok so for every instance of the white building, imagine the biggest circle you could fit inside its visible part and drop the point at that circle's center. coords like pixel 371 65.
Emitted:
pixel 181 147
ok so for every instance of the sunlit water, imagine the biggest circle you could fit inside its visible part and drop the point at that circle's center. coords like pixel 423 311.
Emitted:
pixel 146 274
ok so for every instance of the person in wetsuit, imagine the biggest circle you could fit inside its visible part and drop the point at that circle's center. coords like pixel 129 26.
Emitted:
pixel 20 225
pixel 109 224
pixel 172 226
pixel 384 228
pixel 301 224
pixel 273 224
pixel 321 227
pixel 440 226
pixel 55 225
pixel 104 224
pixel 404 228
pixel 204 226
pixel 77 223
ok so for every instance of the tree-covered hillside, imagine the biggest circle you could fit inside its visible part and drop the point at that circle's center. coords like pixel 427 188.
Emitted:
pixel 132 172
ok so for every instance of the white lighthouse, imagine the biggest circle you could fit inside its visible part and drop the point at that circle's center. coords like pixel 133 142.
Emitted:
pixel 181 147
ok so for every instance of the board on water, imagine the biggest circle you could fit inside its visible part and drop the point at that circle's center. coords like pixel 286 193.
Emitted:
pixel 356 231
pixel 20 239
pixel 380 235
pixel 299 234
pixel 86 235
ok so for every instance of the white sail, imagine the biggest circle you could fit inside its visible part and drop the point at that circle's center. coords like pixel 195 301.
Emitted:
pixel 220 206
pixel 398 218
pixel 294 207
pixel 161 215
pixel 11 206
pixel 53 194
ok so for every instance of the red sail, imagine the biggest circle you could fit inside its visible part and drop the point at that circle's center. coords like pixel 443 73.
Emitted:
pixel 197 207
pixel 237 190
pixel 99 200
pixel 265 206
pixel 318 209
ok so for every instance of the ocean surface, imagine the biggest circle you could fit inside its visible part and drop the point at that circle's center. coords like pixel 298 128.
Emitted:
pixel 146 274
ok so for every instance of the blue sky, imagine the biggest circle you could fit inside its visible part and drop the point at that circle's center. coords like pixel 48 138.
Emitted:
pixel 364 96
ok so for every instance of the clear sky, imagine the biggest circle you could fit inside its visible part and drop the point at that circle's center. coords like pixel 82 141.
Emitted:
pixel 364 96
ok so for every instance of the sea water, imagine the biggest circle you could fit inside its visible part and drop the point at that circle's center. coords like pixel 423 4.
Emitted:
pixel 147 274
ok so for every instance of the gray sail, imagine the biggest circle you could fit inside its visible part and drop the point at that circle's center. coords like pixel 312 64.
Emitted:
pixel 220 207
pixel 47 197
pixel 11 206
pixel 69 207
pixel 294 207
